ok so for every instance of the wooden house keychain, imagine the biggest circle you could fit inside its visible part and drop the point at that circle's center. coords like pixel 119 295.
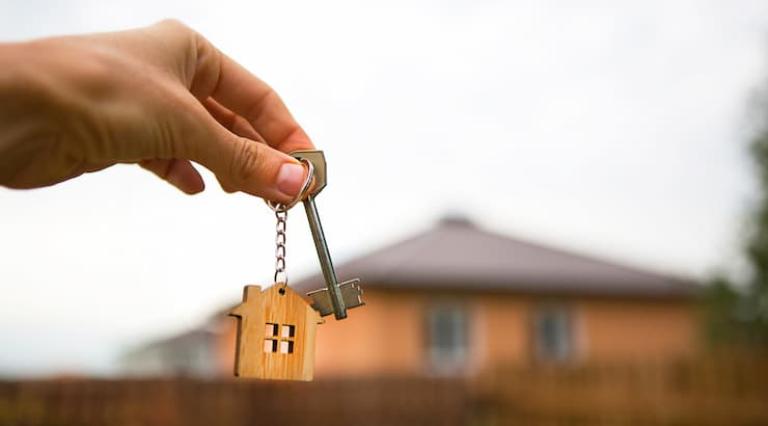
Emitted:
pixel 276 326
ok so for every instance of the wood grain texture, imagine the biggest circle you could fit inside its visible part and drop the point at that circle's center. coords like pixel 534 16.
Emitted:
pixel 275 334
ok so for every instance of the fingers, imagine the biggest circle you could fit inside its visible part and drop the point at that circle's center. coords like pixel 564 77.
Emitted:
pixel 229 84
pixel 231 121
pixel 240 163
pixel 223 123
pixel 288 184
pixel 179 173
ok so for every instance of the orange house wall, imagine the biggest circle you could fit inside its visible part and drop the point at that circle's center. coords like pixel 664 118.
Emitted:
pixel 383 337
pixel 387 336
pixel 647 330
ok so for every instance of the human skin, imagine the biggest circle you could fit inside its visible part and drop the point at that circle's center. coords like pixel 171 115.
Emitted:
pixel 161 96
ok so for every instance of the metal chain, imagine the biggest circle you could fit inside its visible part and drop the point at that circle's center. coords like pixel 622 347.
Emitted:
pixel 280 239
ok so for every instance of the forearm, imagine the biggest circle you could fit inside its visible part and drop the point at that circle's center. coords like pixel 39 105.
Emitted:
pixel 47 109
pixel 22 114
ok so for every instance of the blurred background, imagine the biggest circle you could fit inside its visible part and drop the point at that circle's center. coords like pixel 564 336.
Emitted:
pixel 557 210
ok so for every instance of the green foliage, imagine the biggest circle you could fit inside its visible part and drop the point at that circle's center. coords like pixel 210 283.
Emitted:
pixel 741 317
pixel 754 309
pixel 720 302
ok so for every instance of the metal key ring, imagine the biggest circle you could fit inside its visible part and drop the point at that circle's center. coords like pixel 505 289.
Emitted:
pixel 305 187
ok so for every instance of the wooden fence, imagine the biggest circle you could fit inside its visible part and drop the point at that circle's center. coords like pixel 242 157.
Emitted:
pixel 184 402
pixel 724 391
pixel 713 392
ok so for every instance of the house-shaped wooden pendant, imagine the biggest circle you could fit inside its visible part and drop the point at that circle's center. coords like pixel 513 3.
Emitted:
pixel 275 334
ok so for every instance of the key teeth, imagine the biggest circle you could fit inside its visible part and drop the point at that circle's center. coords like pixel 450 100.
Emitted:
pixel 351 292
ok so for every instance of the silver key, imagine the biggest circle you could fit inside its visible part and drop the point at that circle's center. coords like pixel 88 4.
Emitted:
pixel 335 298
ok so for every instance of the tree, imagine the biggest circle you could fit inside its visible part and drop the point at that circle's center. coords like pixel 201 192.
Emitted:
pixel 754 306
pixel 741 316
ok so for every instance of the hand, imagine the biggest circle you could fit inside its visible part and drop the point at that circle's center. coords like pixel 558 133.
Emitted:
pixel 161 96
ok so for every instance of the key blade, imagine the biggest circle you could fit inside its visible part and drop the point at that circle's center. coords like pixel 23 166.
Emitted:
pixel 351 293
pixel 326 265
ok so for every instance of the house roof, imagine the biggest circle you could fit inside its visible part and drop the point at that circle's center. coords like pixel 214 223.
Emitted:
pixel 181 340
pixel 456 254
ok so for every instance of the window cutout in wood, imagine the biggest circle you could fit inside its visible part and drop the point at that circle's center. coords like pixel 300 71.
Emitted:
pixel 287 331
pixel 270 330
pixel 286 347
pixel 270 345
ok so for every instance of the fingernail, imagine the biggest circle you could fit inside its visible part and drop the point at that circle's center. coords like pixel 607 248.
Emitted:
pixel 290 177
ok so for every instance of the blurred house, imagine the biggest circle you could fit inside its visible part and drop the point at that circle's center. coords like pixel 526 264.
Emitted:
pixel 193 353
pixel 457 299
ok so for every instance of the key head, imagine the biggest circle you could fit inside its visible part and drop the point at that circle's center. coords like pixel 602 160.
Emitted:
pixel 317 159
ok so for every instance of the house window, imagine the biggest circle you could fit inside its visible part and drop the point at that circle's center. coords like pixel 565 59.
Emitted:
pixel 553 332
pixel 279 338
pixel 447 333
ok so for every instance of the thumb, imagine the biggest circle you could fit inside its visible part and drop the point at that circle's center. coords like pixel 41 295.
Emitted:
pixel 242 164
pixel 258 169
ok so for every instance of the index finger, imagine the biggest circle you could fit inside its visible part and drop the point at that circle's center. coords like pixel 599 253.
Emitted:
pixel 219 77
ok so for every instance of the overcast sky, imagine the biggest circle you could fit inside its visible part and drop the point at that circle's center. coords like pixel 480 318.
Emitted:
pixel 612 128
